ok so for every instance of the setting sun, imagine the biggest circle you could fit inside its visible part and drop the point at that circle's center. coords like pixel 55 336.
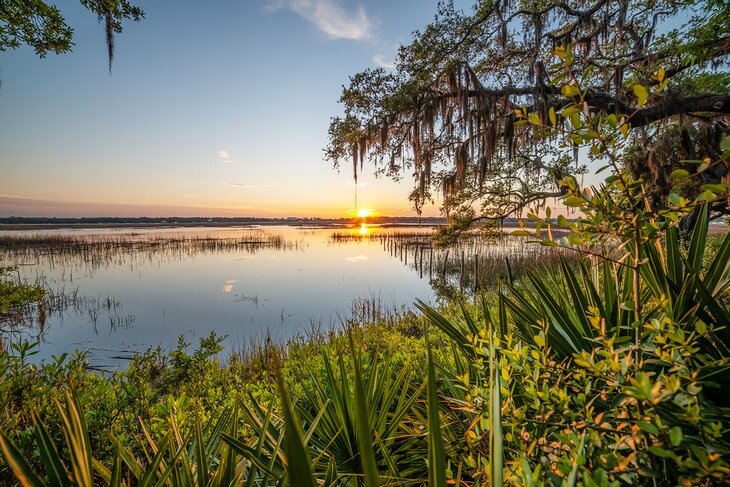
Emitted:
pixel 363 213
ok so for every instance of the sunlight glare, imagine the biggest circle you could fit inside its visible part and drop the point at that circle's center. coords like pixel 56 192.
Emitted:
pixel 363 213
pixel 363 229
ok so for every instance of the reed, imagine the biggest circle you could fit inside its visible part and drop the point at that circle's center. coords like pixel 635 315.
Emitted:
pixel 94 251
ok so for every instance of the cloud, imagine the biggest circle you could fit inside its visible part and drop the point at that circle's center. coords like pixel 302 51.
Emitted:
pixel 252 186
pixel 330 17
pixel 224 156
pixel 359 184
pixel 383 64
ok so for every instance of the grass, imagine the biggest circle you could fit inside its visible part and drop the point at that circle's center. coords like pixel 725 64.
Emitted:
pixel 99 250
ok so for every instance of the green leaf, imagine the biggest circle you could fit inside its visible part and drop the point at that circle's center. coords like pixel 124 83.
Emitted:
pixel 662 453
pixel 612 120
pixel 534 119
pixel 624 129
pixel 573 201
pixel 715 188
pixel 551 115
pixel 679 174
pixel 573 477
pixel 676 436
pixel 641 94
pixel 570 91
pixel 725 143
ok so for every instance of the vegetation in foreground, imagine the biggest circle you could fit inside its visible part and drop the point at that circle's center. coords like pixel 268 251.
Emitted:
pixel 538 383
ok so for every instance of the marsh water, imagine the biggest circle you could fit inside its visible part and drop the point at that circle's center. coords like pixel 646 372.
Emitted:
pixel 119 291
pixel 128 289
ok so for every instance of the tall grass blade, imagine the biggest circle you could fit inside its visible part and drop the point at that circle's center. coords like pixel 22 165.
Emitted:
pixel 362 420
pixel 698 241
pixel 496 446
pixel 442 323
pixel 249 453
pixel 116 477
pixel 298 463
pixel 153 468
pixel 330 479
pixel 55 471
pixel 718 271
pixel 18 464
pixel 227 469
pixel 674 256
pixel 77 440
pixel 127 457
pixel 436 455
pixel 201 457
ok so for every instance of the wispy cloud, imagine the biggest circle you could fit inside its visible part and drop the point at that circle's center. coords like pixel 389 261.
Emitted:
pixel 329 16
pixel 382 63
pixel 224 156
pixel 252 186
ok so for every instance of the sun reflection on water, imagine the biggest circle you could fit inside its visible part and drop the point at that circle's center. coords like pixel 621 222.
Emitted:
pixel 364 229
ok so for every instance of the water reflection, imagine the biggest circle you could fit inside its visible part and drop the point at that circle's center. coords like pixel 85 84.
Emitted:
pixel 239 282
pixel 150 286
pixel 357 258
pixel 228 286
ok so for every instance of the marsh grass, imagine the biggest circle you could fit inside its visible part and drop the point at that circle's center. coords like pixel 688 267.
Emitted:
pixel 476 262
pixel 95 251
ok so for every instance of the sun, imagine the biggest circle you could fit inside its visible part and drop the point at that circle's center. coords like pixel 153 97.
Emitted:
pixel 363 213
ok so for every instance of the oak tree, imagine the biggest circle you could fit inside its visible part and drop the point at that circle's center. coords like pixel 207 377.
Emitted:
pixel 41 25
pixel 449 113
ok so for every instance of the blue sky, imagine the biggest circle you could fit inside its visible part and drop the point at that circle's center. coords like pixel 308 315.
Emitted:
pixel 213 108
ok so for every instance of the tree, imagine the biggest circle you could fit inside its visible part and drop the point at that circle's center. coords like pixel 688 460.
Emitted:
pixel 42 26
pixel 450 111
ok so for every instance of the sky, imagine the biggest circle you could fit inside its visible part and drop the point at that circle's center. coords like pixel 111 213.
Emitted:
pixel 217 108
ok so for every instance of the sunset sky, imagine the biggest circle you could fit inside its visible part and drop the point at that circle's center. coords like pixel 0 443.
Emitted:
pixel 213 108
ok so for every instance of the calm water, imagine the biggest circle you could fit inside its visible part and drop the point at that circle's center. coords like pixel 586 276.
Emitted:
pixel 129 298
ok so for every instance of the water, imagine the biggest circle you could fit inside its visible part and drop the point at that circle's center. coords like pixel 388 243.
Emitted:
pixel 146 291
